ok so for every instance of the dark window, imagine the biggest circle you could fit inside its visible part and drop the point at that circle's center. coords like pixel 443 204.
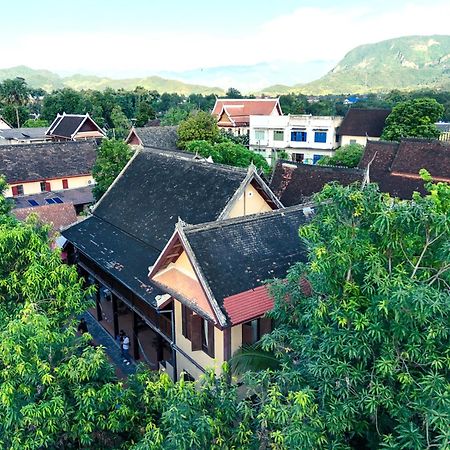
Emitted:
pixel 208 338
pixel 65 184
pixel 57 200
pixel 17 190
pixel 50 201
pixel 187 376
pixel 33 202
pixel 298 157
pixel 43 186
pixel 253 331
pixel 186 315
pixel 320 136
pixel 48 186
pixel 316 158
pixel 298 136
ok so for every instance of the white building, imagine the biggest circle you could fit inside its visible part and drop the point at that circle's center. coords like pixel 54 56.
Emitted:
pixel 304 138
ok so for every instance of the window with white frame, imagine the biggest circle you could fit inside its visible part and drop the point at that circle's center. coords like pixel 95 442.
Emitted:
pixel 260 135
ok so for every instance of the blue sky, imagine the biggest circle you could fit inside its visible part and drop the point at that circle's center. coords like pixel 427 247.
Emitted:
pixel 138 37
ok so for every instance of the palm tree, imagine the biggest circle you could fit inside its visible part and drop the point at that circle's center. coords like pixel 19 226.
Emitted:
pixel 15 93
pixel 252 358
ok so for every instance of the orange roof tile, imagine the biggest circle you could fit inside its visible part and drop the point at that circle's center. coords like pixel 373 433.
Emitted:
pixel 248 305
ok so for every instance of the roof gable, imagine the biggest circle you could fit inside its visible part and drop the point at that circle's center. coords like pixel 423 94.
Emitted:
pixel 242 108
pixel 363 122
pixel 158 187
pixel 68 125
pixel 164 138
pixel 237 255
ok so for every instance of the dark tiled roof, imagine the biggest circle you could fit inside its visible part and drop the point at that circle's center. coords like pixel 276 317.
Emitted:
pixel 20 134
pixel 237 255
pixel 67 126
pixel 363 122
pixel 56 215
pixel 415 154
pixel 294 183
pixel 158 187
pixel 158 137
pixel 116 252
pixel 30 162
pixel 395 166
pixel 77 196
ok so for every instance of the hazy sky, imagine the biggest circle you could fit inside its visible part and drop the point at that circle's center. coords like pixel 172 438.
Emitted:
pixel 139 37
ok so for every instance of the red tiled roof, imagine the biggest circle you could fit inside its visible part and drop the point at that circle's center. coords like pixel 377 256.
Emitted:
pixel 248 305
pixel 246 107
pixel 58 216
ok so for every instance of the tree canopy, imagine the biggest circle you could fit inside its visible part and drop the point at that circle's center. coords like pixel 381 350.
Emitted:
pixel 363 327
pixel 345 156
pixel 112 156
pixel 413 118
pixel 199 126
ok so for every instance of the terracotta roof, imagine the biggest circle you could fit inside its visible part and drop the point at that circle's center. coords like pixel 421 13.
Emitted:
pixel 57 215
pixel 294 183
pixel 43 161
pixel 248 305
pixel 395 166
pixel 363 122
pixel 239 110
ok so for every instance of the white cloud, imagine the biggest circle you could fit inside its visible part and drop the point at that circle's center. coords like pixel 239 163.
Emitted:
pixel 306 34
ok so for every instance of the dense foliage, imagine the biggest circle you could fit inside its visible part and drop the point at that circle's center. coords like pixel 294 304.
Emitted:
pixel 199 126
pixel 413 118
pixel 346 156
pixel 228 153
pixel 112 156
pixel 364 325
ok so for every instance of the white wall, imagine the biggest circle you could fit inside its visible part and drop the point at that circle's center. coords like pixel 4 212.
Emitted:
pixel 262 130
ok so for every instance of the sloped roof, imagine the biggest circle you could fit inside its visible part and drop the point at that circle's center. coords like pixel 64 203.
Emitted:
pixel 236 256
pixel 443 127
pixel 77 196
pixel 133 221
pixel 43 161
pixel 363 122
pixel 56 215
pixel 239 110
pixel 67 125
pixel 156 136
pixel 395 166
pixel 294 183
pixel 158 187
pixel 116 252
pixel 18 134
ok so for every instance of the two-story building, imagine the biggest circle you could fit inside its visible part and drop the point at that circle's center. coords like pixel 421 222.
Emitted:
pixel 304 138
pixel 233 115
pixel 361 124
pixel 130 226
pixel 40 173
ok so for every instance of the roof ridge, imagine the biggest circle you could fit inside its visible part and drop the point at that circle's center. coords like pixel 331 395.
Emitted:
pixel 299 164
pixel 182 155
pixel 188 228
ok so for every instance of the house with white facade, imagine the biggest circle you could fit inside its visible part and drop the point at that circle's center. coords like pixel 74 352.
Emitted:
pixel 305 138
pixel 233 115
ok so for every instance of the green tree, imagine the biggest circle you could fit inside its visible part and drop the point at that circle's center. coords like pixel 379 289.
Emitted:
pixel 228 153
pixel 121 124
pixel 233 93
pixel 346 156
pixel 15 94
pixel 36 123
pixel 174 116
pixel 413 118
pixel 364 324
pixel 144 113
pixel 201 126
pixel 112 156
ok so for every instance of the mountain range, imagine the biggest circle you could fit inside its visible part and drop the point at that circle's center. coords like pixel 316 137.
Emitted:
pixel 406 63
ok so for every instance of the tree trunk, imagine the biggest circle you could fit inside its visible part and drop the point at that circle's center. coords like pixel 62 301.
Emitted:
pixel 17 117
